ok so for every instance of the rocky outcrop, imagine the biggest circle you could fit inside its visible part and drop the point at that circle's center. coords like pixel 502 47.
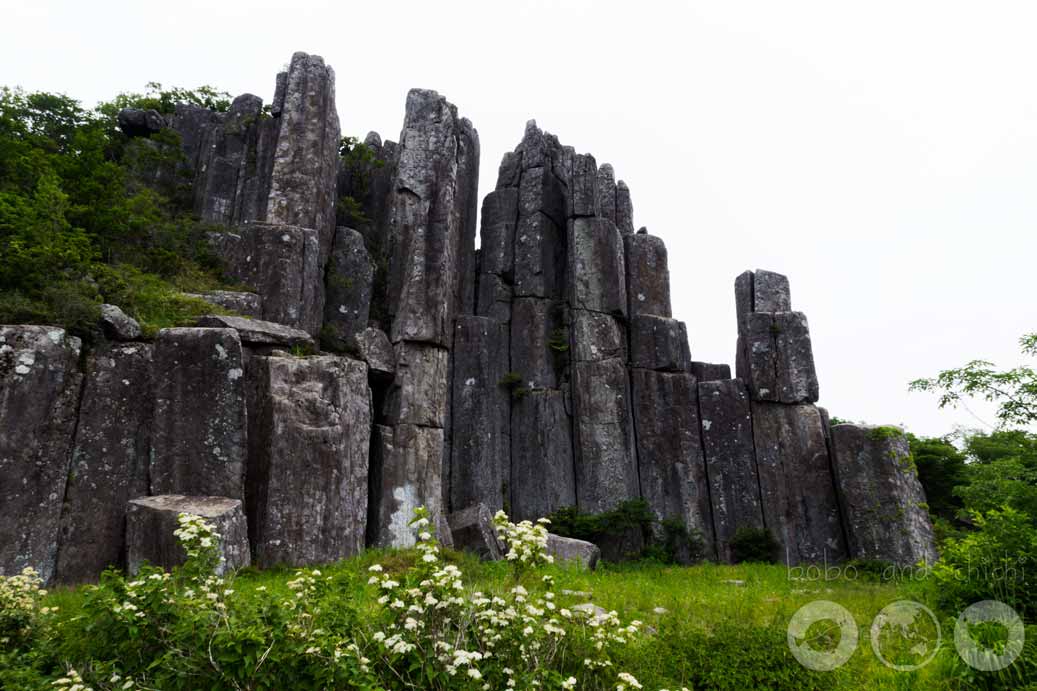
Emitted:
pixel 796 485
pixel 567 549
pixel 481 429
pixel 472 530
pixel 406 472
pixel 882 500
pixel 308 462
pixel 659 343
pixel 282 264
pixel 199 433
pixel 348 282
pixel 727 438
pixel 151 522
pixel 109 460
pixel 542 469
pixel 256 332
pixel 242 303
pixel 39 399
pixel 647 275
pixel 117 325
pixel 708 371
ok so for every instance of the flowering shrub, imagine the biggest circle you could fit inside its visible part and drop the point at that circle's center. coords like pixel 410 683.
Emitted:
pixel 527 543
pixel 20 610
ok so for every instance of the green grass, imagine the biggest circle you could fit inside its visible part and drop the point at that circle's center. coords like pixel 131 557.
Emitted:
pixel 724 626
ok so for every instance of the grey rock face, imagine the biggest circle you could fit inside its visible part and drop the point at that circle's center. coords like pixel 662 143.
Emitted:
pixel 796 486
pixel 597 336
pixel 406 472
pixel 151 521
pixel 117 325
pixel 494 298
pixel 771 292
pixel 727 437
pixel 606 470
pixel 305 159
pixel 432 220
pixel 567 549
pixel 348 282
pixel 499 217
pixel 472 530
pixel 539 258
pixel 708 371
pixel 135 122
pixel 199 433
pixel 481 429
pixel 883 503
pixel 244 303
pixel 597 266
pixel 374 348
pixel 659 343
pixel 226 161
pixel 607 192
pixel 542 472
pixel 282 264
pixel 109 461
pixel 541 191
pixel 257 331
pixel 39 393
pixel 671 465
pixel 779 357
pixel 647 275
pixel 583 195
pixel 307 479
pixel 539 342
pixel 624 209
pixel 419 393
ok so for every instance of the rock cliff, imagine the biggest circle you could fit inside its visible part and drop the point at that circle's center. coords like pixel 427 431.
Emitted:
pixel 543 370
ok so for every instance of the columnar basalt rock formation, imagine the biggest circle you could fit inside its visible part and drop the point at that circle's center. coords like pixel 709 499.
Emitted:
pixel 381 363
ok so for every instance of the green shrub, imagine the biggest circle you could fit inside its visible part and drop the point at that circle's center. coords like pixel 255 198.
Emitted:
pixel 754 545
pixel 994 562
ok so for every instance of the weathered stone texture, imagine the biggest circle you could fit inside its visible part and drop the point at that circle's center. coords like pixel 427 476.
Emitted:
pixel 799 503
pixel 282 264
pixel 567 549
pixel 597 336
pixel 406 472
pixel 481 429
pixel 348 282
pixel 671 466
pixel 473 531
pixel 539 342
pixel 647 275
pixel 199 433
pixel 305 160
pixel 597 266
pixel 606 469
pixel 374 348
pixel 39 395
pixel 432 220
pixel 307 478
pixel 151 522
pixel 883 503
pixel 257 331
pixel 539 258
pixel 109 461
pixel 497 234
pixel 779 357
pixel 583 193
pixel 607 192
pixel 727 438
pixel 709 371
pixel 419 393
pixel 542 471
pixel 624 209
pixel 117 325
pixel 659 343
pixel 244 303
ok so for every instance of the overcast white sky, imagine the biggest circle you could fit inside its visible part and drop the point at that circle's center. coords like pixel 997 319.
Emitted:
pixel 882 154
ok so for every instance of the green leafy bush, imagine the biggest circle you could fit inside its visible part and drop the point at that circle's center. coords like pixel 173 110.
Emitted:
pixel 754 545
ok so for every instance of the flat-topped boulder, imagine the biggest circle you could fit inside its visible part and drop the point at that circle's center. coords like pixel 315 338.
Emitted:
pixel 258 331
pixel 151 522
pixel 118 325
pixel 243 303
pixel 568 549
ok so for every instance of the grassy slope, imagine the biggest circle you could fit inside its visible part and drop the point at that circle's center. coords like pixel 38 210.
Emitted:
pixel 697 599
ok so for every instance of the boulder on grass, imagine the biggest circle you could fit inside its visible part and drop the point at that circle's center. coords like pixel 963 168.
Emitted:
pixel 473 531
pixel 570 549
pixel 151 522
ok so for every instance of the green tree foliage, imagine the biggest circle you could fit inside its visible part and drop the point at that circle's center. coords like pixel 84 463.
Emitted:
pixel 941 468
pixel 89 215
pixel 1013 390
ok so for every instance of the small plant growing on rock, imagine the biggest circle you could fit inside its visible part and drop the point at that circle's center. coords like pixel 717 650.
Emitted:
pixel 754 545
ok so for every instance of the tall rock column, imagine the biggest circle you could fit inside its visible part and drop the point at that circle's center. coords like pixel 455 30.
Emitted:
pixel 39 400
pixel 431 215
pixel 775 357
pixel 671 462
